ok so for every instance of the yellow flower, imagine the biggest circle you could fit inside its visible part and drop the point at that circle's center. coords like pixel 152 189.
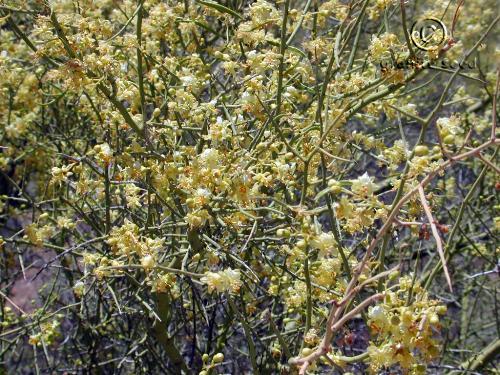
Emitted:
pixel 223 281
pixel 324 242
pixel 61 174
pixel 148 262
pixel 363 185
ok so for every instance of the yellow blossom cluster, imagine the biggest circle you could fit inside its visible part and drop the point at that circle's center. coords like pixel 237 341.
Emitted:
pixel 228 280
pixel 405 333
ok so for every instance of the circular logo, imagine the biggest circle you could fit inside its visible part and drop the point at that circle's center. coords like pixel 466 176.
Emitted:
pixel 428 33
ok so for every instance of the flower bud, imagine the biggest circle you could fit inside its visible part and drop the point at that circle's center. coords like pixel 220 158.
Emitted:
pixel 302 244
pixel 218 358
pixel 394 275
pixel 79 288
pixel 449 139
pixel 441 309
pixel 306 352
pixel 434 319
pixel 395 320
pixel 148 262
pixel 283 232
pixel 421 150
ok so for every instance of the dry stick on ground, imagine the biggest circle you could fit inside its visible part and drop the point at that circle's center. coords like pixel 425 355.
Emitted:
pixel 480 360
pixel 489 163
pixel 435 233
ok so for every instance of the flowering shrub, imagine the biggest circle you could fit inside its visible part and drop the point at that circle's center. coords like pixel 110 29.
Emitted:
pixel 260 186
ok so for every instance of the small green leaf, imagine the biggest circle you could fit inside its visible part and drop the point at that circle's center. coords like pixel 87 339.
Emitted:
pixel 291 48
pixel 220 8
